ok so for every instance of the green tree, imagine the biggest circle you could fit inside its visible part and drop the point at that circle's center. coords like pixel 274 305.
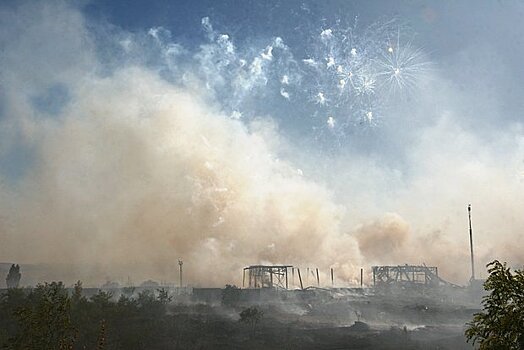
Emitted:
pixel 230 295
pixel 251 315
pixel 77 293
pixel 10 301
pixel 44 321
pixel 500 325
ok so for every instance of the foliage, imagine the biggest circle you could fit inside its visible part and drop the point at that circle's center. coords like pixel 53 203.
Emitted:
pixel 128 291
pixel 77 292
pixel 251 315
pixel 230 295
pixel 500 325
pixel 163 296
pixel 13 277
pixel 44 320
pixel 101 341
pixel 10 302
pixel 48 317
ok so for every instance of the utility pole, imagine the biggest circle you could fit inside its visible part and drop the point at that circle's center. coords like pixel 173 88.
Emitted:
pixel 471 244
pixel 180 263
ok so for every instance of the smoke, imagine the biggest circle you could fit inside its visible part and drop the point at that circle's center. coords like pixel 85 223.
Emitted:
pixel 133 173
pixel 384 239
pixel 121 153
pixel 137 173
pixel 391 241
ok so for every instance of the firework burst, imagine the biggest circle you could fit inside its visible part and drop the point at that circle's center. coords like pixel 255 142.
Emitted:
pixel 344 81
pixel 401 67
pixel 361 72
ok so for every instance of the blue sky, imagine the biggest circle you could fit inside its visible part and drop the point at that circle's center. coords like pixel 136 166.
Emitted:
pixel 484 35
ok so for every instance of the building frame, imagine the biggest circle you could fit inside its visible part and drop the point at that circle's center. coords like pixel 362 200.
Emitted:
pixel 406 275
pixel 266 276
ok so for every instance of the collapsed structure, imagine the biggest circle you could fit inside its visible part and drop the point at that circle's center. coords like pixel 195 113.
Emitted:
pixel 386 276
pixel 277 276
pixel 264 276
pixel 406 276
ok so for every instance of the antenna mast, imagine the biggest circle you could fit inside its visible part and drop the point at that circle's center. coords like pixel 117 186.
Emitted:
pixel 471 244
pixel 180 263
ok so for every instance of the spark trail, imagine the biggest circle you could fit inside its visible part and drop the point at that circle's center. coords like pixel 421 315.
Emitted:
pixel 348 79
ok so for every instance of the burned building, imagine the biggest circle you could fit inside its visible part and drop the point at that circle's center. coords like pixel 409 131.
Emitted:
pixel 266 276
pixel 406 276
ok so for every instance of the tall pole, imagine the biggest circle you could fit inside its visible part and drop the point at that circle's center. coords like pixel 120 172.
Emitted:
pixel 361 277
pixel 180 263
pixel 471 244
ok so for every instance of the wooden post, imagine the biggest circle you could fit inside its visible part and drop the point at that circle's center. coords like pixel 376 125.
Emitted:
pixel 300 279
pixel 307 275
pixel 361 277
pixel 332 279
pixel 318 279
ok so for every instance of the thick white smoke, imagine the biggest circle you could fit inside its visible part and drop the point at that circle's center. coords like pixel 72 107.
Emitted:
pixel 136 174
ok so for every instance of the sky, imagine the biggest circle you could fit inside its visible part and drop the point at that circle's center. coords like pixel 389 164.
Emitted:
pixel 335 134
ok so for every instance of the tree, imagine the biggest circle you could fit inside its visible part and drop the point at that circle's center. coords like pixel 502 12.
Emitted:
pixel 128 291
pixel 500 325
pixel 251 315
pixel 13 277
pixel 44 321
pixel 163 296
pixel 77 293
pixel 11 300
pixel 101 341
pixel 230 295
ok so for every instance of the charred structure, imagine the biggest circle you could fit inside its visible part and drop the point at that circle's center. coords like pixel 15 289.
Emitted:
pixel 266 276
pixel 406 276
